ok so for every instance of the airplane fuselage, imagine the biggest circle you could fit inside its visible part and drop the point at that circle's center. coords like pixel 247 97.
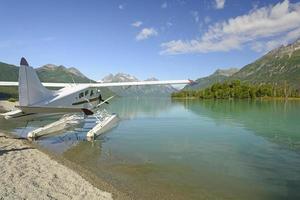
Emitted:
pixel 73 96
pixel 76 96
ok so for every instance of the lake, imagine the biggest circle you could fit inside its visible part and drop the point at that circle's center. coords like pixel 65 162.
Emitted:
pixel 191 149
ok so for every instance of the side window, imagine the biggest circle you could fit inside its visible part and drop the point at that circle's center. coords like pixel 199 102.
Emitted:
pixel 86 93
pixel 81 95
pixel 92 93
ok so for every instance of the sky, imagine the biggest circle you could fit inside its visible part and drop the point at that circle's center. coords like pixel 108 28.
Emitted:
pixel 171 39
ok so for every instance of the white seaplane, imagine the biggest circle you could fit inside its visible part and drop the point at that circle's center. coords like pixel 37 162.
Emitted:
pixel 36 101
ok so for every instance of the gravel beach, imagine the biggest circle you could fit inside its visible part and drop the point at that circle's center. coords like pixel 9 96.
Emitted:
pixel 27 173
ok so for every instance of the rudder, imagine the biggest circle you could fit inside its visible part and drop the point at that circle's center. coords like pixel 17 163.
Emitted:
pixel 31 90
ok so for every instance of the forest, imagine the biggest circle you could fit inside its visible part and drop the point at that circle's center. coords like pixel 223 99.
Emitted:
pixel 238 90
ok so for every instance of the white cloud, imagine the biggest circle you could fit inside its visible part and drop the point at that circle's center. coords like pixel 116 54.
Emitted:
pixel 164 5
pixel 264 46
pixel 260 28
pixel 220 4
pixel 137 23
pixel 146 33
pixel 121 6
pixel 195 15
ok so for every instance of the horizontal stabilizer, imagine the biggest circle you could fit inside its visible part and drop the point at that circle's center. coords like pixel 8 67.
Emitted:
pixel 44 109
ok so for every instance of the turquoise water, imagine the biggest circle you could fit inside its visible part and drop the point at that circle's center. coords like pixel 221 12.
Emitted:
pixel 164 149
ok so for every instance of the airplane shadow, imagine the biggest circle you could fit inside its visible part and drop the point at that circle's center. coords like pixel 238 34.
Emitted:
pixel 15 138
pixel 2 152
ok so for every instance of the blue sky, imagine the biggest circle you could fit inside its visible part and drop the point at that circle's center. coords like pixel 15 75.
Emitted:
pixel 172 39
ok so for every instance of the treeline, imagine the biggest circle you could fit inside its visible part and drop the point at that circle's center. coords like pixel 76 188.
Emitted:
pixel 8 92
pixel 238 90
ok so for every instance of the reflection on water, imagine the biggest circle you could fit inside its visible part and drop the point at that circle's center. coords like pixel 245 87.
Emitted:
pixel 128 108
pixel 276 120
pixel 165 149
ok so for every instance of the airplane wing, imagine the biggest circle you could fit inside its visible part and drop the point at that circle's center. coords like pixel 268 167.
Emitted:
pixel 137 83
pixel 4 83
pixel 116 84
pixel 57 85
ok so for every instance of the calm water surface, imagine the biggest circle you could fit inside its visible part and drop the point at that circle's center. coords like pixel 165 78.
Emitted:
pixel 164 149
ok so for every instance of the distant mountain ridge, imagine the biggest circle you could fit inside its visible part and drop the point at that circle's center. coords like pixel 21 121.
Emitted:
pixel 280 66
pixel 71 70
pixel 119 77
pixel 46 73
pixel 60 73
pixel 155 91
pixel 8 72
pixel 219 75
pixel 276 67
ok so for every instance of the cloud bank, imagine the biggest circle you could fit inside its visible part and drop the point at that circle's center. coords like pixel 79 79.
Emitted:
pixel 261 29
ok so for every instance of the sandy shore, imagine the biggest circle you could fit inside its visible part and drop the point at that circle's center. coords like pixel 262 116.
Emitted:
pixel 27 173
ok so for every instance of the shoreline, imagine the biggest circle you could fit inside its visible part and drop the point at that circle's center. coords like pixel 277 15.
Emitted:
pixel 32 173
pixel 232 99
pixel 85 174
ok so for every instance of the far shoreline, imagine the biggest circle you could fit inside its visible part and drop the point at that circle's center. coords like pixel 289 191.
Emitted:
pixel 233 99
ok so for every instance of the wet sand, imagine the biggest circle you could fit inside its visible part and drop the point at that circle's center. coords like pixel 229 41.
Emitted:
pixel 28 173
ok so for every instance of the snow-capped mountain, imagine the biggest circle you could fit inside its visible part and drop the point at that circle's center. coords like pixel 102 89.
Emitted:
pixel 155 91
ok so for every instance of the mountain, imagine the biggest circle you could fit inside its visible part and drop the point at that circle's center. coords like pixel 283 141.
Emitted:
pixel 8 72
pixel 119 77
pixel 155 91
pixel 53 73
pixel 46 73
pixel 279 65
pixel 219 75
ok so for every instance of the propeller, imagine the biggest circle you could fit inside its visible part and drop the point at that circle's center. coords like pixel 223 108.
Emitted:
pixel 102 100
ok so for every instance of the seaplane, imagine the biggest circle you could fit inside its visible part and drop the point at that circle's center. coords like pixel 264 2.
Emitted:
pixel 37 101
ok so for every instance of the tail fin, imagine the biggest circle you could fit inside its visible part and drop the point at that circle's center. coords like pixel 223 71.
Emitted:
pixel 31 90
